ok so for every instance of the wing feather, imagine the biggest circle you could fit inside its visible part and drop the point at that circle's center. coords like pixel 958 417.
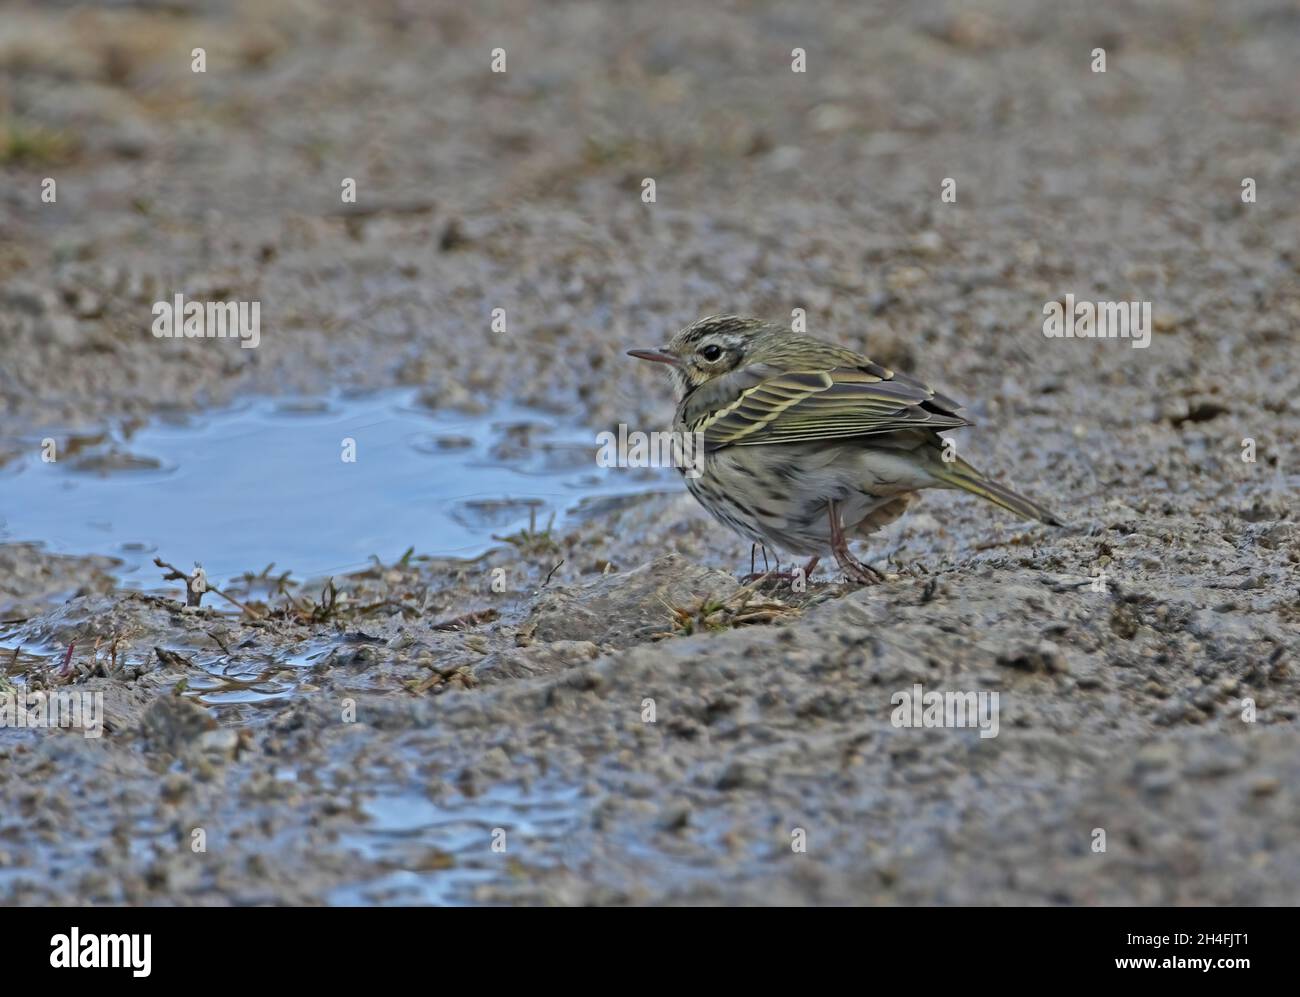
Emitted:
pixel 760 405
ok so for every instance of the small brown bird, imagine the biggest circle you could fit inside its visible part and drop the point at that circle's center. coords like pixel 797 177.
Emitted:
pixel 808 445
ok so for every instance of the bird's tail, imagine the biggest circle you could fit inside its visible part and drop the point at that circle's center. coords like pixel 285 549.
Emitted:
pixel 959 474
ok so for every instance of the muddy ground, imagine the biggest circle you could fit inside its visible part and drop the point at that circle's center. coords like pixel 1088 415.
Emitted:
pixel 1162 710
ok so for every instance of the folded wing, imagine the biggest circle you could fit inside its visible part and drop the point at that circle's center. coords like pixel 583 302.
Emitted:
pixel 762 405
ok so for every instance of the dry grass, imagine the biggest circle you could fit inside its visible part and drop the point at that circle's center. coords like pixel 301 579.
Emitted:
pixel 745 607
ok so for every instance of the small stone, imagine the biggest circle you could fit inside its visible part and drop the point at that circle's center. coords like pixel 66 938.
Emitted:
pixel 1265 786
pixel 219 744
pixel 832 118
pixel 174 787
pixel 676 816
pixel 905 277
pixel 1045 657
pixel 1157 755
pixel 928 242
pixel 741 775
pixel 1158 783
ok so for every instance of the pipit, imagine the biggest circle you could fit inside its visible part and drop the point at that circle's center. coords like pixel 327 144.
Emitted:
pixel 807 445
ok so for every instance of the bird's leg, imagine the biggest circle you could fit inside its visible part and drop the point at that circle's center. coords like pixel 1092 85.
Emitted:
pixel 854 569
pixel 810 567
pixel 767 573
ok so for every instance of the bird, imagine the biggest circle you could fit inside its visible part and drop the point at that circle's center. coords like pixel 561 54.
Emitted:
pixel 807 445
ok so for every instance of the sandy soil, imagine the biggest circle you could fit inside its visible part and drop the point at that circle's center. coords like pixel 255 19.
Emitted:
pixel 383 773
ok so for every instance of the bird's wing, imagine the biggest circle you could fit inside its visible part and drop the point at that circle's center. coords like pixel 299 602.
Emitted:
pixel 762 404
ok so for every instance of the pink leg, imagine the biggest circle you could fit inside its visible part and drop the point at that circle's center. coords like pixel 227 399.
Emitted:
pixel 854 569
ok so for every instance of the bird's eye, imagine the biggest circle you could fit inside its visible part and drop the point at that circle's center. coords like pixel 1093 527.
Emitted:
pixel 711 352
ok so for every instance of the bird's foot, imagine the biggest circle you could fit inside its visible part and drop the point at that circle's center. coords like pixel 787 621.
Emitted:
pixel 798 574
pixel 854 570
pixel 775 576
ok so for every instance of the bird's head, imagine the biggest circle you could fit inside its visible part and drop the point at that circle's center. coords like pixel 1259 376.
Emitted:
pixel 718 344
pixel 709 348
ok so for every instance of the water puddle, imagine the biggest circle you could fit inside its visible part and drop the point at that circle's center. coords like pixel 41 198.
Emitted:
pixel 435 853
pixel 270 482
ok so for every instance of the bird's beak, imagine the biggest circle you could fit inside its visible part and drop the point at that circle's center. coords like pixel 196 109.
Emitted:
pixel 661 355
